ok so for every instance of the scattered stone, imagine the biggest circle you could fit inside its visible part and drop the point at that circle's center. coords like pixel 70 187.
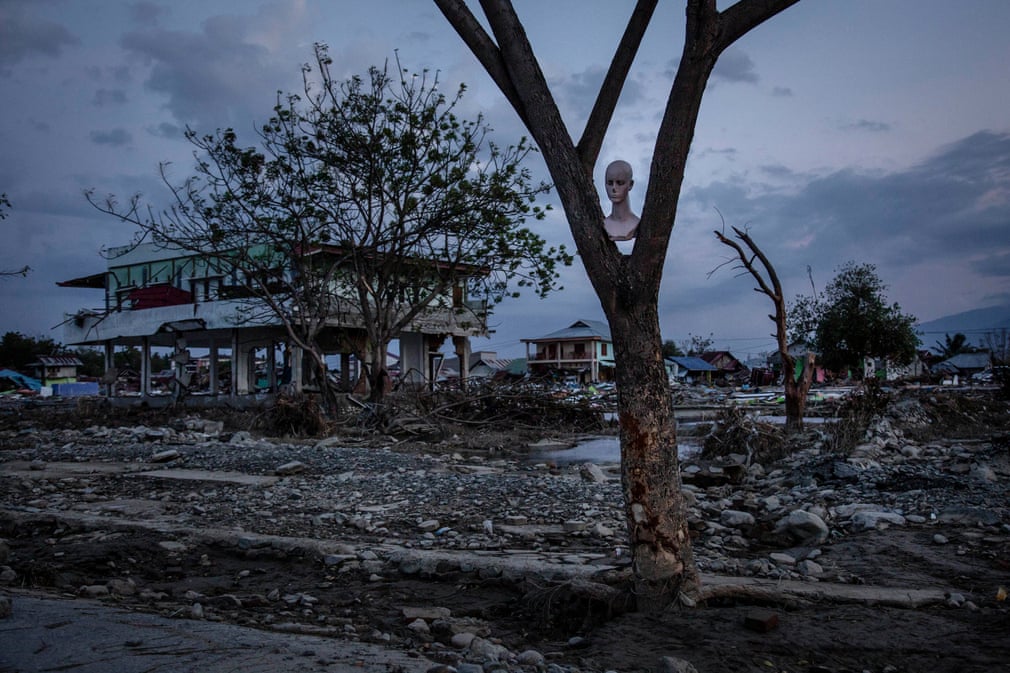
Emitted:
pixel 735 519
pixel 805 526
pixel 675 665
pixel 761 621
pixel 940 539
pixel 94 591
pixel 530 658
pixel 429 526
pixel 592 473
pixel 294 467
pixel 870 520
pixel 164 456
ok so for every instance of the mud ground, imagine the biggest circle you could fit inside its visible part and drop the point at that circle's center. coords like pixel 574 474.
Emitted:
pixel 818 635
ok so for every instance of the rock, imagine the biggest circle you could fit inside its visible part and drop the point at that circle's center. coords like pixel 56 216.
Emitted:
pixel 592 473
pixel 172 546
pixel 761 621
pixel 782 559
pixel 94 591
pixel 122 587
pixel 973 516
pixel 430 614
pixel 485 649
pixel 940 539
pixel 530 658
pixel 429 526
pixel 675 665
pixel 461 641
pixel 420 627
pixel 164 456
pixel 294 467
pixel 809 568
pixel 7 575
pixel 5 551
pixel 6 607
pixel 805 526
pixel 736 519
pixel 871 520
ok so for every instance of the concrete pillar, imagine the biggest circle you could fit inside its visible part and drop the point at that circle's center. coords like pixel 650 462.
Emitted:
pixel 298 368
pixel 110 365
pixel 345 372
pixel 145 367
pixel 213 369
pixel 461 345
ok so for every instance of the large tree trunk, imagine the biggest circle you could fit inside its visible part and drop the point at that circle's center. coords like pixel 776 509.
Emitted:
pixel 796 390
pixel 628 286
pixel 654 504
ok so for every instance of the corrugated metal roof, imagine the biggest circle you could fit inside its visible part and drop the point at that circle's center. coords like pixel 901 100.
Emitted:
pixel 580 329
pixel 58 361
pixel 692 364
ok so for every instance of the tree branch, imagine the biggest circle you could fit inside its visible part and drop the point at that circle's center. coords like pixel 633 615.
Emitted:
pixel 483 47
pixel 737 20
pixel 603 110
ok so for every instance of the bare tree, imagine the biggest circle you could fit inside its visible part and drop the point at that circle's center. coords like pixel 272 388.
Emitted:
pixel 627 286
pixel 796 387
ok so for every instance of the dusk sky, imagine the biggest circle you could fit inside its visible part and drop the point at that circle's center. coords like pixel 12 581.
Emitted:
pixel 876 131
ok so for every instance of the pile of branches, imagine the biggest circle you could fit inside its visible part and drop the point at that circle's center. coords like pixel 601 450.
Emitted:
pixel 737 432
pixel 512 405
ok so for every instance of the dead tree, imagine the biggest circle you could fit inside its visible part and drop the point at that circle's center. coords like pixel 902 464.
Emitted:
pixel 627 285
pixel 796 387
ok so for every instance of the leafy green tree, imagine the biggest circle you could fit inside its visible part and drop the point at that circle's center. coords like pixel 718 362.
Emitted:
pixel 852 321
pixel 368 198
pixel 670 349
pixel 17 351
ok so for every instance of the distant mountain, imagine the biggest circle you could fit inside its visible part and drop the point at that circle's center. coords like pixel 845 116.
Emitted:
pixel 973 324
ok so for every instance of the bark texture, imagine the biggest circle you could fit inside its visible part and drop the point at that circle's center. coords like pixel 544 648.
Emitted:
pixel 628 286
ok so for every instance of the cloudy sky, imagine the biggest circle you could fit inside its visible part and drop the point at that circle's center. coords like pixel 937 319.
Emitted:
pixel 869 130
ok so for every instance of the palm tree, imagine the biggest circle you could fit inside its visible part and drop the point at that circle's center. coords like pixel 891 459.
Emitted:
pixel 953 346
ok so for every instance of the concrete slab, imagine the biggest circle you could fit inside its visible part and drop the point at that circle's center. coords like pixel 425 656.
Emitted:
pixel 53 634
pixel 208 475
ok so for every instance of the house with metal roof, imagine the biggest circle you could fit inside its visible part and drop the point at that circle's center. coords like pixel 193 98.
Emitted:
pixel 584 349
pixel 964 364
pixel 50 369
pixel 689 369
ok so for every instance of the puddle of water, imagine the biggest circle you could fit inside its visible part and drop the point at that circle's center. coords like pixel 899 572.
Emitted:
pixel 599 450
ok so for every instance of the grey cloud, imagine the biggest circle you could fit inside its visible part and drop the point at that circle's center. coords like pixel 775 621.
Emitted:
pixel 782 92
pixel 222 75
pixel 166 130
pixel 146 13
pixel 23 34
pixel 867 125
pixel 116 137
pixel 735 66
pixel 955 206
pixel 109 97
pixel 997 264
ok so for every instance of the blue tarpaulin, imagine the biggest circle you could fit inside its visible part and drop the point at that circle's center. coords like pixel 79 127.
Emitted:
pixel 20 380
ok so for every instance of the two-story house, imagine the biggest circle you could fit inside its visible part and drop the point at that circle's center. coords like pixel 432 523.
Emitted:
pixel 158 296
pixel 584 349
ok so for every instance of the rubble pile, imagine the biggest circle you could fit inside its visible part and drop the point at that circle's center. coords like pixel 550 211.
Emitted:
pixel 377 512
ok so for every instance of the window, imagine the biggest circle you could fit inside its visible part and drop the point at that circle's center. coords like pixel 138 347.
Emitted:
pixel 603 349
